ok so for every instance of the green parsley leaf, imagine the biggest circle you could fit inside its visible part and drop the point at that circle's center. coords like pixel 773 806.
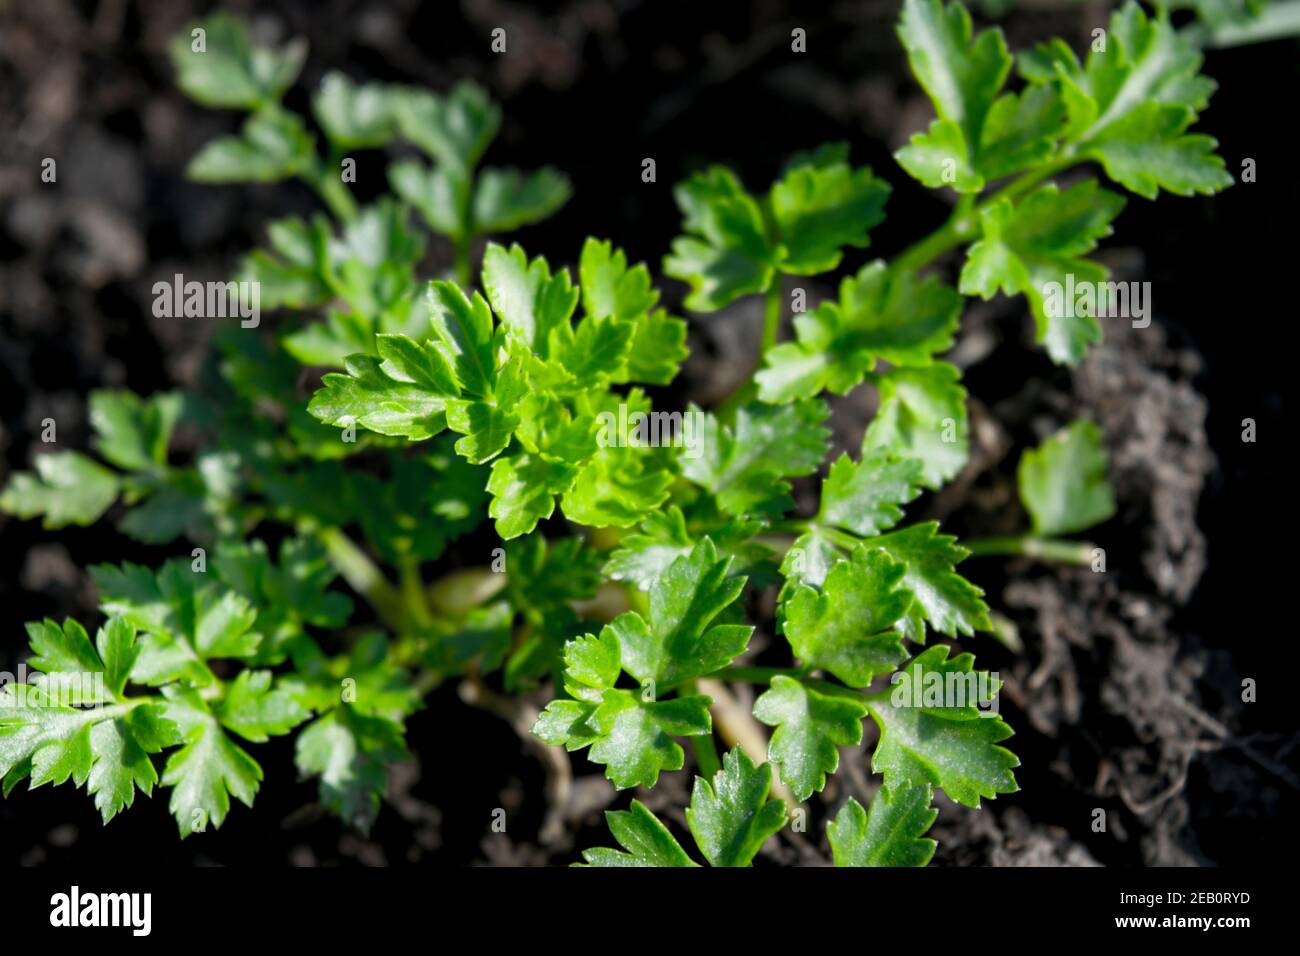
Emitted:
pixel 506 199
pixel 371 265
pixel 454 129
pixel 186 619
pixel 1033 247
pixel 617 488
pixel 940 156
pixel 367 679
pixel 643 557
pixel 67 488
pixel 951 603
pixel 730 816
pixel 436 193
pixel 180 501
pixel 1130 106
pixel 543 575
pixel 880 314
pixel 612 289
pixel 293 271
pixel 353 115
pixel 866 497
pixel 527 298
pixel 810 559
pixel 350 752
pixel 922 415
pixel 811 723
pixel 1019 133
pixel 732 247
pixel 657 351
pixel 646 840
pixel 256 711
pixel 932 730
pixel 819 209
pixel 364 395
pixel 594 352
pixel 67 649
pixel 848 628
pixel 726 252
pixel 631 736
pixel 592 665
pixel 451 379
pixel 424 502
pixel 209 769
pixel 680 640
pixel 622 480
pixel 228 71
pixel 104 748
pixel 271 145
pixel 133 432
pixel 288 595
pixel 524 487
pixel 890 835
pixel 1063 481
pixel 746 465
pixel 962 77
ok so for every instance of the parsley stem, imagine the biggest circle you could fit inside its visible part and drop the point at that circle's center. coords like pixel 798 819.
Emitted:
pixel 363 575
pixel 757 675
pixel 458 592
pixel 963 225
pixel 736 724
pixel 1029 181
pixel 748 389
pixel 415 602
pixel 705 749
pixel 704 746
pixel 842 538
pixel 959 228
pixel 461 259
pixel 1029 546
pixel 771 317
pixel 333 193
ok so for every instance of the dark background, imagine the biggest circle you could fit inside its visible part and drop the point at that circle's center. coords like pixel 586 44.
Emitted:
pixel 593 87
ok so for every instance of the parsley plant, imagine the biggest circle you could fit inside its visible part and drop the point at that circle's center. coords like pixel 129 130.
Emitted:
pixel 514 391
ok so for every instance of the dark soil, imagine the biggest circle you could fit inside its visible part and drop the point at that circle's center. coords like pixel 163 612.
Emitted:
pixel 1127 694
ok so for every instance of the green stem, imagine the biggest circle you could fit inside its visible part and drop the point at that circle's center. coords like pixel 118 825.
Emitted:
pixel 414 600
pixel 333 193
pixel 463 241
pixel 963 225
pixel 960 228
pixel 364 576
pixel 427 681
pixel 461 257
pixel 704 746
pixel 1029 181
pixel 1029 546
pixel 757 675
pixel 705 749
pixel 120 709
pixel 842 538
pixel 771 317
pixel 748 390
pixel 458 592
